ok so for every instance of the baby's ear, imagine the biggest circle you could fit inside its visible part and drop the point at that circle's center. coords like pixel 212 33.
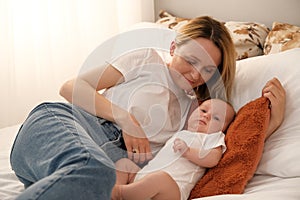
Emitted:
pixel 172 48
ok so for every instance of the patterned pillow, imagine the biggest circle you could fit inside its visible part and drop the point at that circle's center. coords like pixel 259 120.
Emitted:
pixel 282 37
pixel 248 38
pixel 170 21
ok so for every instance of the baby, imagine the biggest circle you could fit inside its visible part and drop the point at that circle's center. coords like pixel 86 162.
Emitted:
pixel 178 166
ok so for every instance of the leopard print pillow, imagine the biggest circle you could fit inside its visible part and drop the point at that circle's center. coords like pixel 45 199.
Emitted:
pixel 248 38
pixel 282 37
pixel 170 21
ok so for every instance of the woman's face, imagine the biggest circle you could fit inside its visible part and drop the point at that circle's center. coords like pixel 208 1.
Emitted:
pixel 194 62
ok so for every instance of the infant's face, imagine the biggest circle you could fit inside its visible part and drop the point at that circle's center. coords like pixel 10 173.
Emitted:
pixel 211 116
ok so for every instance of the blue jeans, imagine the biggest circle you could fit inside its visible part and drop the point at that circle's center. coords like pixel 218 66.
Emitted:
pixel 63 152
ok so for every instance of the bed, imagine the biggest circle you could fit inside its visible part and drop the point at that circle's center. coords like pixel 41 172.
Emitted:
pixel 270 48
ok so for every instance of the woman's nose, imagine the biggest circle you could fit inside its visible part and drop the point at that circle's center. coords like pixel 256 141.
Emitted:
pixel 195 74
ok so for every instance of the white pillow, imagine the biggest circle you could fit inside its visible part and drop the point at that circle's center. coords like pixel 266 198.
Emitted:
pixel 281 156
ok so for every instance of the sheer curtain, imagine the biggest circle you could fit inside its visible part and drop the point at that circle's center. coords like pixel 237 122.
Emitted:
pixel 44 42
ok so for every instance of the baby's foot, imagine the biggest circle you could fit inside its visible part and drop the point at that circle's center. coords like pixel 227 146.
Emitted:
pixel 116 193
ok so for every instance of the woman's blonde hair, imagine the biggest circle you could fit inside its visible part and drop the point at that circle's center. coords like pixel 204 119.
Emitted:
pixel 220 84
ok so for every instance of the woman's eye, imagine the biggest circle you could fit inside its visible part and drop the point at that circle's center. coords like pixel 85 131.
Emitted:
pixel 192 62
pixel 209 70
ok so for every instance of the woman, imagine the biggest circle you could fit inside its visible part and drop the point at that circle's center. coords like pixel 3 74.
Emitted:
pixel 66 151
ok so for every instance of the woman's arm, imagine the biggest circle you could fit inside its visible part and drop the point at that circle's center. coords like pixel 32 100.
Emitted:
pixel 83 92
pixel 275 92
pixel 210 159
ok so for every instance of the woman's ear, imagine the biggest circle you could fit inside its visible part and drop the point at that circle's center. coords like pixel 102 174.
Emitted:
pixel 172 48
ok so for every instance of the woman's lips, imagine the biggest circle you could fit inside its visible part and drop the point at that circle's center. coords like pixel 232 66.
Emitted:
pixel 190 82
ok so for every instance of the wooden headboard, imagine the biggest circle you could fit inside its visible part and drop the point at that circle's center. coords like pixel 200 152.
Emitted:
pixel 263 11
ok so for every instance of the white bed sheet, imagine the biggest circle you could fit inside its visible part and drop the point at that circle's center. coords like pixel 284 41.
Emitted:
pixel 260 187
pixel 266 188
pixel 10 187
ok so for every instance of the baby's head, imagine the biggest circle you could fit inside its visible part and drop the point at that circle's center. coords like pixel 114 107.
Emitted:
pixel 211 116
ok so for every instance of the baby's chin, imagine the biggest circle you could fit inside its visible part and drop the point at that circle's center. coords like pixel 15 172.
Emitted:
pixel 200 129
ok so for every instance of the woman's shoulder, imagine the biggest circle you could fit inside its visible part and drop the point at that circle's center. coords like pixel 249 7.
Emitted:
pixel 137 58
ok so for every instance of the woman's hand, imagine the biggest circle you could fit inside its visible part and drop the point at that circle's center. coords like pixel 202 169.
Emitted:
pixel 136 142
pixel 274 91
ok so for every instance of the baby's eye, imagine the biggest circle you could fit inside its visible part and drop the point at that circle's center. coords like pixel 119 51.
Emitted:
pixel 203 110
pixel 216 118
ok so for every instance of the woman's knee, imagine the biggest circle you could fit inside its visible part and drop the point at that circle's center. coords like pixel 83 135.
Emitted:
pixel 100 175
pixel 91 180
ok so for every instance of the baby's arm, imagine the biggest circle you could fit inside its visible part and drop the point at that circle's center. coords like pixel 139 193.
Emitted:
pixel 210 159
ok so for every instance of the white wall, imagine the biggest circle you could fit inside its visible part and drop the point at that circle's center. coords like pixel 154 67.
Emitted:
pixel 264 11
pixel 44 43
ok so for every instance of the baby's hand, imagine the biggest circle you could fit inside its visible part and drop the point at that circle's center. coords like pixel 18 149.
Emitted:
pixel 180 146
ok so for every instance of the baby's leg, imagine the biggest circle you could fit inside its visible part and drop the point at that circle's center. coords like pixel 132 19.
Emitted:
pixel 126 170
pixel 157 185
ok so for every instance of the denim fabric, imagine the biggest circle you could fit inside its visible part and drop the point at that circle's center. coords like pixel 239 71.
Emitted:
pixel 63 152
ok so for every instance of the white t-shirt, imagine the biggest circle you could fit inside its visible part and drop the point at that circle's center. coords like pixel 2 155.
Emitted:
pixel 150 94
pixel 184 172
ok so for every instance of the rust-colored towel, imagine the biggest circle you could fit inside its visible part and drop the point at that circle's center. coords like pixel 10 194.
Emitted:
pixel 245 141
